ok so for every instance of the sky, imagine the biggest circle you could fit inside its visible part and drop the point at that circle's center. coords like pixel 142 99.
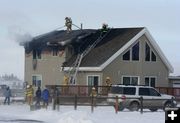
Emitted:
pixel 20 19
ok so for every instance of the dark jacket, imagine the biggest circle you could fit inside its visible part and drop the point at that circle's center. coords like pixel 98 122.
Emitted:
pixel 7 92
pixel 45 94
pixel 38 93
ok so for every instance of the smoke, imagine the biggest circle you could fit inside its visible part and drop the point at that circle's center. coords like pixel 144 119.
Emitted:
pixel 19 35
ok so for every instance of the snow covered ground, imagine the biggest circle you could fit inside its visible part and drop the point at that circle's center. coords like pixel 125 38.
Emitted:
pixel 67 114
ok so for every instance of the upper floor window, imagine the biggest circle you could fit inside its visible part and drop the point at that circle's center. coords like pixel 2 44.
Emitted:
pixel 132 53
pixel 36 54
pixel 55 51
pixel 149 54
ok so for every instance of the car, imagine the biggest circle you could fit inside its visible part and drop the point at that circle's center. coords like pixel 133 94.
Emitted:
pixel 129 97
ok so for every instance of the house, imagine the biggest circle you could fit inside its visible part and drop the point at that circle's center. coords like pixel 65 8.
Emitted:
pixel 126 55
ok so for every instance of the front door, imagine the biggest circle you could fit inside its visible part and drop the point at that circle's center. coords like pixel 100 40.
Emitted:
pixel 93 81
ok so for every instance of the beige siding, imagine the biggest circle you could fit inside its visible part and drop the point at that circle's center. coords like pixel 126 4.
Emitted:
pixel 141 68
pixel 48 66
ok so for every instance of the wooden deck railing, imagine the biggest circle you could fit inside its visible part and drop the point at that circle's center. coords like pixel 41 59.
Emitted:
pixel 84 90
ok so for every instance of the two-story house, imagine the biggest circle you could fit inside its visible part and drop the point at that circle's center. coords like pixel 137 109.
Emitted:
pixel 126 55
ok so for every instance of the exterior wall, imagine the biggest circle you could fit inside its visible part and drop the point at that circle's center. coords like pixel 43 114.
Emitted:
pixel 141 68
pixel 48 67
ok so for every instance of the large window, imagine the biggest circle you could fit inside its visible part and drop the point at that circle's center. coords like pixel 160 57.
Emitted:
pixel 149 54
pixel 130 80
pixel 132 53
pixel 135 52
pixel 150 81
pixel 37 80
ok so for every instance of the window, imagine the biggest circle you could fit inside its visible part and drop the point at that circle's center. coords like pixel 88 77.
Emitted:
pixel 129 90
pixel 135 52
pixel 150 81
pixel 130 80
pixel 132 53
pixel 148 92
pixel 55 51
pixel 153 56
pixel 93 80
pixel 36 80
pixel 36 54
pixel 144 92
pixel 149 54
pixel 153 92
pixel 126 56
pixel 116 90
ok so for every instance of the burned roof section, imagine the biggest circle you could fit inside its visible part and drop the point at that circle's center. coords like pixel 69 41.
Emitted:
pixel 58 39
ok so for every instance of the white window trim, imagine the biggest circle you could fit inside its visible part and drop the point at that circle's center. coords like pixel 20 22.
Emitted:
pixel 151 50
pixel 150 78
pixel 130 49
pixel 37 75
pixel 130 76
pixel 99 83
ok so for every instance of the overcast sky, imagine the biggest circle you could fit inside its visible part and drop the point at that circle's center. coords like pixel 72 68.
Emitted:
pixel 33 17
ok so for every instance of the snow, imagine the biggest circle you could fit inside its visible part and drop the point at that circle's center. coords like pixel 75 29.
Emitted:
pixel 67 114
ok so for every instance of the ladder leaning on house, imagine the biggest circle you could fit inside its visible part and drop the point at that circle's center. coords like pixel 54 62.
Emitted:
pixel 74 70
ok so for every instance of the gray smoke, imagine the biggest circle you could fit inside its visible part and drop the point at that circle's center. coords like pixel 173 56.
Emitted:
pixel 19 35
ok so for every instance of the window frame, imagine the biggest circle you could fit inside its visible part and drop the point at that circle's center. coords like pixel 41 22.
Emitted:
pixel 131 53
pixel 36 75
pixel 151 52
pixel 130 79
pixel 150 83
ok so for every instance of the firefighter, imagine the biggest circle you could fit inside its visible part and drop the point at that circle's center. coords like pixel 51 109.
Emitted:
pixel 93 92
pixel 108 83
pixel 68 24
pixel 66 79
pixel 104 29
pixel 29 94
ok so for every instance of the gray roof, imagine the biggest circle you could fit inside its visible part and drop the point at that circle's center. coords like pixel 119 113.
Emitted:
pixel 109 45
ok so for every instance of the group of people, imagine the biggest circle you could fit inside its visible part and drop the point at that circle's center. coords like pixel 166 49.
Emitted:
pixel 39 95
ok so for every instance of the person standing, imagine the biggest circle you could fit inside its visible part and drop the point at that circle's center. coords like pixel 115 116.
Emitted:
pixel 7 94
pixel 29 94
pixel 68 24
pixel 45 97
pixel 38 96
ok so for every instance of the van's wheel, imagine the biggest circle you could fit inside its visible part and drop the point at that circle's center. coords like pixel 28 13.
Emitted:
pixel 168 105
pixel 134 106
pixel 153 109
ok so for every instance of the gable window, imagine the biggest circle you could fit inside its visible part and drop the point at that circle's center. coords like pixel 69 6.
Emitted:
pixel 126 56
pixel 36 80
pixel 130 80
pixel 132 53
pixel 149 54
pixel 36 54
pixel 150 81
pixel 135 52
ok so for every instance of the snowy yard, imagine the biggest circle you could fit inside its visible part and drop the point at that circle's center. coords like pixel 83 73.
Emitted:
pixel 67 114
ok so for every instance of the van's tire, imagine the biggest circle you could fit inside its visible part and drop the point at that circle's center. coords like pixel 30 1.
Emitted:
pixel 153 109
pixel 134 106
pixel 167 105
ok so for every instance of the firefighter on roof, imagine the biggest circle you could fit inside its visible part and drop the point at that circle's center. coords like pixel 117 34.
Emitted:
pixel 104 28
pixel 68 24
